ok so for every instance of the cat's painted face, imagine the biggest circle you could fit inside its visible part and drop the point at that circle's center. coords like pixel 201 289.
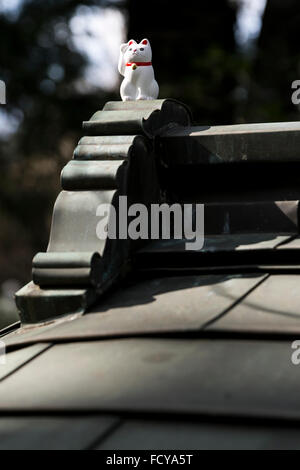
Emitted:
pixel 138 52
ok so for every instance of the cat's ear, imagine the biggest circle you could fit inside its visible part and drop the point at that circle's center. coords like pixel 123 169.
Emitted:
pixel 132 41
pixel 145 42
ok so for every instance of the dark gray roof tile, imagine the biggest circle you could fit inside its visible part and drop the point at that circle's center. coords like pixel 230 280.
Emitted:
pixel 236 378
pixel 171 304
pixel 273 307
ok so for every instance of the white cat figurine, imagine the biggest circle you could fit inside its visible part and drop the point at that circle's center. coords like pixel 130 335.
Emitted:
pixel 136 67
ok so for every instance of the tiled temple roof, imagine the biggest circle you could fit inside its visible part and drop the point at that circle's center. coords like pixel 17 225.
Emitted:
pixel 115 348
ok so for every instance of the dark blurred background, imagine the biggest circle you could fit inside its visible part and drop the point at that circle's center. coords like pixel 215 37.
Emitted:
pixel 231 61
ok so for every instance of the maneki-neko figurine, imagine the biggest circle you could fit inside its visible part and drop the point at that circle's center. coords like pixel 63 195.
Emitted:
pixel 135 64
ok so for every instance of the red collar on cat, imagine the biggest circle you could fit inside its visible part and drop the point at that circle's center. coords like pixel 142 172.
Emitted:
pixel 129 64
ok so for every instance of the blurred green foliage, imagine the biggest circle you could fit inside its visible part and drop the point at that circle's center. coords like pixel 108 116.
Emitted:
pixel 51 112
